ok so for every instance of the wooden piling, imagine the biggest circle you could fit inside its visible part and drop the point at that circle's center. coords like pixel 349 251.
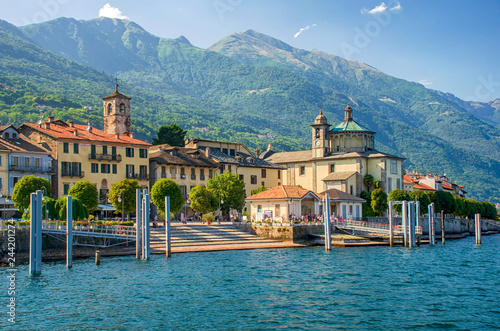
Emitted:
pixel 477 224
pixel 168 248
pixel 391 224
pixel 138 224
pixel 69 231
pixel 442 227
pixel 97 258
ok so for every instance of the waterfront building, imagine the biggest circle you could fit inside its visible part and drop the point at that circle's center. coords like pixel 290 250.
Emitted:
pixel 432 182
pixel 19 157
pixel 83 152
pixel 340 158
pixel 188 167
pixel 237 158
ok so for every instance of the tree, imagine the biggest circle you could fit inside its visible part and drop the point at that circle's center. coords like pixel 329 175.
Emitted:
pixel 443 201
pixel 24 187
pixel 421 197
pixel 80 212
pixel 202 200
pixel 87 193
pixel 259 189
pixel 368 181
pixel 167 187
pixel 398 195
pixel 366 207
pixel 124 190
pixel 171 134
pixel 379 201
pixel 50 204
pixel 377 184
pixel 229 191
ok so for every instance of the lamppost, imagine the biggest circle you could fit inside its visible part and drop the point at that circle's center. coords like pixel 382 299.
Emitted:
pixel 122 200
pixel 5 200
pixel 44 194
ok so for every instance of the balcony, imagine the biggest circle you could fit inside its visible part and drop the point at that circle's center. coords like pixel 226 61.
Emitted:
pixel 67 173
pixel 105 157
pixel 138 176
pixel 16 167
pixel 163 175
pixel 202 177
pixel 193 176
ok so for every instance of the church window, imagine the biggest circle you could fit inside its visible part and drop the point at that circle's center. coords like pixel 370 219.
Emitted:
pixel 317 132
pixel 110 108
pixel 122 108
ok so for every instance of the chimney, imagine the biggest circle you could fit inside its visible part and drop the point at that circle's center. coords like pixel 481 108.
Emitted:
pixel 47 125
pixel 269 148
pixel 126 133
pixel 207 151
pixel 131 135
pixel 71 124
pixel 117 135
pixel 89 128
pixel 51 119
pixel 75 133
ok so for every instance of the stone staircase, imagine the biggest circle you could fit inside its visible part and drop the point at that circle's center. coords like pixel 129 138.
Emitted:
pixel 202 237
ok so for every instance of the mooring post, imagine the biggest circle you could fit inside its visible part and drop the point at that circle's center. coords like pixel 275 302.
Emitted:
pixel 411 223
pixel 69 231
pixel 442 228
pixel 97 258
pixel 405 223
pixel 145 229
pixel 391 224
pixel 138 225
pixel 35 257
pixel 326 217
pixel 168 245
pixel 477 223
pixel 430 211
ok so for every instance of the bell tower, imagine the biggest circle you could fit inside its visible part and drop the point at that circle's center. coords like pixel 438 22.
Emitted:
pixel 116 113
pixel 320 136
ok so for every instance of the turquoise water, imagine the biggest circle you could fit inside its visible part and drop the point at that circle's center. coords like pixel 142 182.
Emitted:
pixel 455 287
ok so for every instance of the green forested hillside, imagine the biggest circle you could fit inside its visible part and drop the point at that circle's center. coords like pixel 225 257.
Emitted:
pixel 249 84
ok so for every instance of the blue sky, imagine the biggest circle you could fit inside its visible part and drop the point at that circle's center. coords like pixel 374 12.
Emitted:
pixel 451 46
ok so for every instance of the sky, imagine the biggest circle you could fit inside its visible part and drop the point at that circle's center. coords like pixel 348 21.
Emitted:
pixel 451 46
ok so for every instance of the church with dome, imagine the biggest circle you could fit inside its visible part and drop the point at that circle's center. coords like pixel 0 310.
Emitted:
pixel 339 158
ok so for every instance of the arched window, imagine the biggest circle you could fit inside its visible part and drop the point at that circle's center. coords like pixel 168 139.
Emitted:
pixel 14 135
pixel 122 108
pixel 110 109
pixel 317 132
pixel 7 135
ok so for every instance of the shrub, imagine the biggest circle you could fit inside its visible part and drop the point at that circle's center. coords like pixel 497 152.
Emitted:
pixel 209 217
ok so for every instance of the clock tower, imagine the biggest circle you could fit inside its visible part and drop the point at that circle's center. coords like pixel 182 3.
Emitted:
pixel 116 113
pixel 320 136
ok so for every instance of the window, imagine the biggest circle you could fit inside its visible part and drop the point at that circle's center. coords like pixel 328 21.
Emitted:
pixel 202 174
pixel 263 173
pixel 0 160
pixel 113 150
pixel 232 152
pixel 241 177
pixel 27 162
pixel 129 152
pixel 1 185
pixel 262 184
pixel 66 189
pixel 15 160
pixel 122 108
pixel 332 167
pixel 14 135
pixel 7 135
pixel 183 190
pixel 103 195
pixel 224 150
pixel 193 173
pixel 302 170
pixel 277 210
pixel 389 184
pixel 350 209
pixel 398 183
pixel 183 173
pixel 394 167
pixel 352 190
pixel 259 208
pixel 104 150
pixel 72 169
pixel 210 173
pixel 110 109
pixel 65 148
pixel 317 132
pixel 143 153
pixel 94 168
pixel 143 171
pixel 229 167
pixel 115 169
pixel 222 168
pixel 92 150
pixel 38 162
pixel 105 168
pixel 253 179
pixel 173 170
pixel 279 174
pixel 75 148
pixel 130 170
pixel 14 181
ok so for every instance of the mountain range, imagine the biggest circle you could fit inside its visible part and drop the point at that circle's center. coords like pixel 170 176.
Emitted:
pixel 247 87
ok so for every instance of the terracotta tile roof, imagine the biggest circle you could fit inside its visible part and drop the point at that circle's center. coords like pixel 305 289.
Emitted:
pixel 337 195
pixel 409 179
pixel 446 187
pixel 282 192
pixel 303 156
pixel 180 156
pixel 61 130
pixel 423 187
pixel 21 144
pixel 342 175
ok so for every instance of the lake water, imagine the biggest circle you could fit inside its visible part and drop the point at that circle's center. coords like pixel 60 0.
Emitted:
pixel 455 287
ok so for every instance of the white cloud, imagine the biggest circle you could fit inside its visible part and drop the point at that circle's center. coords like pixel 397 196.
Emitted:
pixel 303 29
pixel 111 12
pixel 380 9
pixel 424 82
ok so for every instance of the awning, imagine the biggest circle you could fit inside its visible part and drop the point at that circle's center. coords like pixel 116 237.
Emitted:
pixel 106 207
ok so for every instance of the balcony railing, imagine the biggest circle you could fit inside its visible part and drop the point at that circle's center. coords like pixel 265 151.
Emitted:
pixel 163 175
pixel 67 173
pixel 138 176
pixel 202 177
pixel 193 176
pixel 17 167
pixel 105 157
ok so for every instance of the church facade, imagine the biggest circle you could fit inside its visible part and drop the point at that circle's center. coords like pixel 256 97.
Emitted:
pixel 339 159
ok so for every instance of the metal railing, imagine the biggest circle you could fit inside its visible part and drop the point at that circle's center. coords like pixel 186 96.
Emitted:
pixel 105 157
pixel 18 167
pixel 68 173
pixel 108 231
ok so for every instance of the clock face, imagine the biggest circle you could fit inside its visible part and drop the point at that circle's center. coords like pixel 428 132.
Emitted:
pixel 317 142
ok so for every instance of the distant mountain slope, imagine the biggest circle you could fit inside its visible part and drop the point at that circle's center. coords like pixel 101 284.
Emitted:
pixel 252 83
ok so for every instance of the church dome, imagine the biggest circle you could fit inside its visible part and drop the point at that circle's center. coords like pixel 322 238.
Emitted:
pixel 320 119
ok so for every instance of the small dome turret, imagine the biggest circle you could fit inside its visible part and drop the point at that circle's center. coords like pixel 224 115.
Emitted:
pixel 320 119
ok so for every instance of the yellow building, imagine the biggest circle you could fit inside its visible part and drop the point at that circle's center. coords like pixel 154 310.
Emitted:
pixel 237 158
pixel 188 167
pixel 339 159
pixel 83 152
